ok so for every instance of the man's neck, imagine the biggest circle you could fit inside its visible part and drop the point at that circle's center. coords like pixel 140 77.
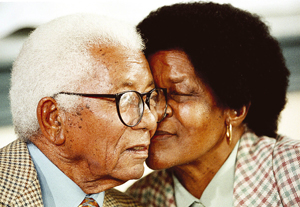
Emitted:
pixel 76 169
pixel 57 188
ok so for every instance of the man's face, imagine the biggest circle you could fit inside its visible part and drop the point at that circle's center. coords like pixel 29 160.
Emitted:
pixel 94 133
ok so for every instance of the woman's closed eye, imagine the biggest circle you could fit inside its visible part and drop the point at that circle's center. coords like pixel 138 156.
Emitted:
pixel 180 97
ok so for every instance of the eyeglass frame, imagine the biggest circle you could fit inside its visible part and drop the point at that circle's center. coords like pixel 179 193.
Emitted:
pixel 117 97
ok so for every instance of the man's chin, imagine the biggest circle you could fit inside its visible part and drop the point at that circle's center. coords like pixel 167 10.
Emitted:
pixel 132 173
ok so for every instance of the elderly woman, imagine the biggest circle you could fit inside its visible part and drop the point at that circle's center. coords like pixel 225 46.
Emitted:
pixel 226 80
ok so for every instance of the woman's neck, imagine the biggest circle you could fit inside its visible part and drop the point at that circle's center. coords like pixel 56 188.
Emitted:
pixel 196 176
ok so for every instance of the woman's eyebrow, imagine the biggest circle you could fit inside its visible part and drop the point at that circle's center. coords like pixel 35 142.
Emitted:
pixel 130 84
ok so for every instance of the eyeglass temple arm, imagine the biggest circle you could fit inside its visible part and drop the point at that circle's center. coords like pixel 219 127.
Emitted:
pixel 90 95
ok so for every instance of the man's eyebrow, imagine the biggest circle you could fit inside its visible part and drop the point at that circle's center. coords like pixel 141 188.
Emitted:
pixel 127 84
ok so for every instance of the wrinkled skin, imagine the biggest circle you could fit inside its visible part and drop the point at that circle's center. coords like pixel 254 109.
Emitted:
pixel 195 125
pixel 95 149
pixel 192 138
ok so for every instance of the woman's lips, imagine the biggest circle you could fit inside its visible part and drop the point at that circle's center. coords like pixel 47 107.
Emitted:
pixel 161 135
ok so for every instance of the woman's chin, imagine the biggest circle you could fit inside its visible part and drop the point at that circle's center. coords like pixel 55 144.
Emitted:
pixel 158 164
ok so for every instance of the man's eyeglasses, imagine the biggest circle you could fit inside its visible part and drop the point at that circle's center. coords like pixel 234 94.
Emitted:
pixel 130 104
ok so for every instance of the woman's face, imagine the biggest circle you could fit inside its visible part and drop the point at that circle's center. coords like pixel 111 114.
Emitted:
pixel 194 129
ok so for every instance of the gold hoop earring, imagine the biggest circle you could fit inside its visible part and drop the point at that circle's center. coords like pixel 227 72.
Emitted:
pixel 229 133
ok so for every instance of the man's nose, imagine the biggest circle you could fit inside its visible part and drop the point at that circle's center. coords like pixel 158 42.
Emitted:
pixel 148 121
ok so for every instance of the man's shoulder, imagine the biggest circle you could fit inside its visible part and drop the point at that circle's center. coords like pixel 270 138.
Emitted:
pixel 13 146
pixel 115 198
pixel 18 178
pixel 14 154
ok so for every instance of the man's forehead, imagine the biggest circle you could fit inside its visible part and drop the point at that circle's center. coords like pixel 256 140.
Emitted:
pixel 113 53
pixel 120 68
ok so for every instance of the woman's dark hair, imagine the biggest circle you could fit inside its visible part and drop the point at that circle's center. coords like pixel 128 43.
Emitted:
pixel 231 50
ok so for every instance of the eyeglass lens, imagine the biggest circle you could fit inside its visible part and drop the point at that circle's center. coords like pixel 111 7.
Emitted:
pixel 131 106
pixel 157 102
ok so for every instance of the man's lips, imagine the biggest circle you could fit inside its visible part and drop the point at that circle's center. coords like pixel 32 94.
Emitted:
pixel 138 148
pixel 138 151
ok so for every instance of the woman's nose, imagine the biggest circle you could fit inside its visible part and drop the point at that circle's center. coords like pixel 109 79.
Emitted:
pixel 169 111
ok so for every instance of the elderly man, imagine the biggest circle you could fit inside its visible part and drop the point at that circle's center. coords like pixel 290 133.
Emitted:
pixel 84 107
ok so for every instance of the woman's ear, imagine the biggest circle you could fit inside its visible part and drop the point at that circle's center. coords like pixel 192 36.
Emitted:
pixel 236 117
pixel 50 120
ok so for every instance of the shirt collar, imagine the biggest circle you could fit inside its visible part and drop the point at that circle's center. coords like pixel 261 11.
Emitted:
pixel 219 191
pixel 57 188
pixel 182 196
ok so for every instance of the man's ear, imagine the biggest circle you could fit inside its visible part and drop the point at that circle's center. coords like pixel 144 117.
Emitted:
pixel 236 117
pixel 50 120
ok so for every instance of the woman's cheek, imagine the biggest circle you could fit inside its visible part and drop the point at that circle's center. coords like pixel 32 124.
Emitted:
pixel 191 114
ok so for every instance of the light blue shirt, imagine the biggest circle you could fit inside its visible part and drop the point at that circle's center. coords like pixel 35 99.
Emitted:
pixel 219 191
pixel 57 188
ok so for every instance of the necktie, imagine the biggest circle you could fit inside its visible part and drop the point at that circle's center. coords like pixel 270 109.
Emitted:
pixel 88 202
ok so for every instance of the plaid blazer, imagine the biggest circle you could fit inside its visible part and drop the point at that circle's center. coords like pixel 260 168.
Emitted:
pixel 19 184
pixel 267 173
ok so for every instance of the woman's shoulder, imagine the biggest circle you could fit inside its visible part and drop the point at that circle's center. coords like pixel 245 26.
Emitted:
pixel 271 153
pixel 271 165
pixel 279 144
pixel 287 143
pixel 280 153
pixel 286 155
pixel 154 179
pixel 286 168
pixel 155 189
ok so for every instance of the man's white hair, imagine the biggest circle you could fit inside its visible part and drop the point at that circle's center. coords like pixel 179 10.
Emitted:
pixel 56 57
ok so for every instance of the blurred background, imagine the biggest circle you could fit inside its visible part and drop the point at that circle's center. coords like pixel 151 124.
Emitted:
pixel 18 19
